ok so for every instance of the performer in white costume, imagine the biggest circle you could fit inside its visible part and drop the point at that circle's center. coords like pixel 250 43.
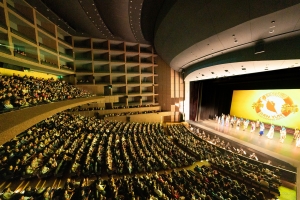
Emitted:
pixel 282 134
pixel 271 132
pixel 298 141
pixel 238 122
pixel 227 120
pixel 246 123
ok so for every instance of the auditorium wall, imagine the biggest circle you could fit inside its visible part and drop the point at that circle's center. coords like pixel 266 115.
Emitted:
pixel 170 90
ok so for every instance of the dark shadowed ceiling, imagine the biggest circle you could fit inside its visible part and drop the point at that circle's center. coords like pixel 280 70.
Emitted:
pixel 205 38
pixel 128 20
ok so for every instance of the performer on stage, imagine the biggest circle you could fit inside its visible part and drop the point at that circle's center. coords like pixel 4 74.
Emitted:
pixel 252 126
pixel 238 124
pixel 222 120
pixel 296 133
pixel 232 122
pixel 261 129
pixel 298 141
pixel 246 123
pixel 271 132
pixel 257 123
pixel 227 120
pixel 282 134
pixel 219 120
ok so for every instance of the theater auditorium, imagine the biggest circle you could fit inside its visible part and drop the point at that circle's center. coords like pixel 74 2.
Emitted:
pixel 149 99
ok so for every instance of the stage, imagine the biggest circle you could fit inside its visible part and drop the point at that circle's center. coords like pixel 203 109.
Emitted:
pixel 286 151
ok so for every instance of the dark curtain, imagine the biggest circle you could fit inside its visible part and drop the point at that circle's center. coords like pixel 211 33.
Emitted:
pixel 195 95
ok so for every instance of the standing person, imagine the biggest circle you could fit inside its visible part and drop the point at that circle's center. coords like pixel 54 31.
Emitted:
pixel 232 122
pixel 271 132
pixel 252 126
pixel 296 133
pixel 222 120
pixel 227 120
pixel 261 129
pixel 298 141
pixel 238 124
pixel 257 123
pixel 282 134
pixel 246 123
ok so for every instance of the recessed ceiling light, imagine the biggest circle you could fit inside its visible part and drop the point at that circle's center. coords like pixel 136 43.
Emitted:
pixel 243 68
pixel 226 70
pixel 271 31
pixel 202 74
pixel 212 72
pixel 273 21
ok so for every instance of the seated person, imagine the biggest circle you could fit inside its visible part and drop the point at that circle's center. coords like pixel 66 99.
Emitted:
pixel 75 166
pixel 7 104
pixel 35 163
pixel 197 168
pixel 29 170
pixel 7 193
pixel 45 170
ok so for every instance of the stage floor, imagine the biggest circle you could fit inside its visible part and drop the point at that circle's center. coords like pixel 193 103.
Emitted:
pixel 286 151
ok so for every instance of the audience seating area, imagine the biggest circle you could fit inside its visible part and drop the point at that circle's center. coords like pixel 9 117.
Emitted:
pixel 83 148
pixel 201 183
pixel 79 145
pixel 17 92
pixel 224 159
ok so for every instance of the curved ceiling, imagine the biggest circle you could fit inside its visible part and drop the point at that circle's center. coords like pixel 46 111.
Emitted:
pixel 196 36
pixel 193 32
pixel 128 20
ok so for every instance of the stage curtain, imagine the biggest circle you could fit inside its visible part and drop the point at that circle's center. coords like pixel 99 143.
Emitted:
pixel 195 99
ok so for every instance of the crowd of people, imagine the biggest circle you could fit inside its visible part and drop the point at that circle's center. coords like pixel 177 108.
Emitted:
pixel 85 146
pixel 201 183
pixel 22 91
pixel 204 146
pixel 243 124
pixel 82 147
pixel 130 113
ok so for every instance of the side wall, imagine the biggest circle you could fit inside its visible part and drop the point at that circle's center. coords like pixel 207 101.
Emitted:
pixel 170 90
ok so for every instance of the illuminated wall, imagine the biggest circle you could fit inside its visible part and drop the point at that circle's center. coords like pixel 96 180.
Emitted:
pixel 280 107
pixel 10 72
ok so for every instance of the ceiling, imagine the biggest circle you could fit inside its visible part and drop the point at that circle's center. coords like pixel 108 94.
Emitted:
pixel 128 20
pixel 193 36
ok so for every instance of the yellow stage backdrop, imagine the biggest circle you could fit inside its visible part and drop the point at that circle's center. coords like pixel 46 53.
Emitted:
pixel 280 107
